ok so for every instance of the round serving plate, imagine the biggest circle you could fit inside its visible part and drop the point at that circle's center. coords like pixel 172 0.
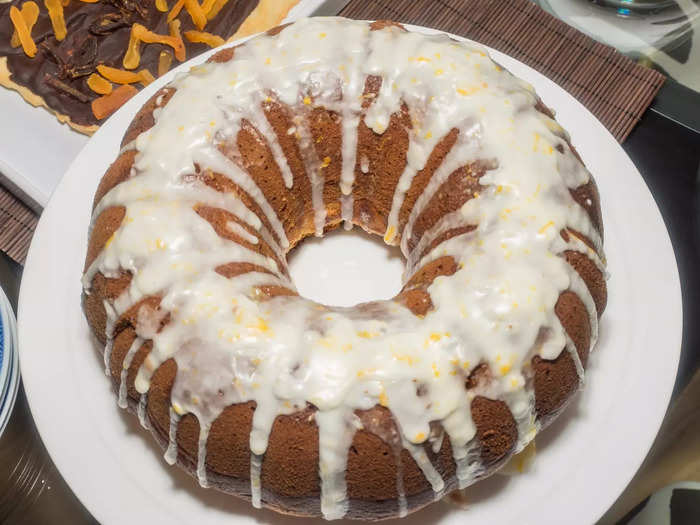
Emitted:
pixel 584 460
pixel 9 375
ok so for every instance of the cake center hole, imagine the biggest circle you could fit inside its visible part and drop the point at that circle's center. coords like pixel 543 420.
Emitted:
pixel 346 268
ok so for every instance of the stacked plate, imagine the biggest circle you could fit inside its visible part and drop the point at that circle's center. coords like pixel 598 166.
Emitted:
pixel 9 362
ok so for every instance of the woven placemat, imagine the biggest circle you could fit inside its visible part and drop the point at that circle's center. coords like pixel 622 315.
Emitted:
pixel 611 86
pixel 17 223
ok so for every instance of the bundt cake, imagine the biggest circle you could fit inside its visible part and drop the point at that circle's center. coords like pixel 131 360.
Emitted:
pixel 376 410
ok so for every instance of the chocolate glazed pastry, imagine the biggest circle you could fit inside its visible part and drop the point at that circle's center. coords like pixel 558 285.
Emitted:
pixel 98 33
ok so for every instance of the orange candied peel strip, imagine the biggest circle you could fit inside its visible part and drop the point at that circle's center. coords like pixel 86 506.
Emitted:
pixel 139 34
pixel 179 45
pixel 162 5
pixel 105 105
pixel 199 18
pixel 146 77
pixel 165 59
pixel 212 7
pixel 30 14
pixel 55 8
pixel 99 84
pixel 202 37
pixel 132 57
pixel 119 76
pixel 25 37
pixel 172 15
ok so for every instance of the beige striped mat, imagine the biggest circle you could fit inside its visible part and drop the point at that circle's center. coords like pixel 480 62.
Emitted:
pixel 611 86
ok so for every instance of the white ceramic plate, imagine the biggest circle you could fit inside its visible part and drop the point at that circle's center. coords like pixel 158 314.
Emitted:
pixel 23 128
pixel 585 459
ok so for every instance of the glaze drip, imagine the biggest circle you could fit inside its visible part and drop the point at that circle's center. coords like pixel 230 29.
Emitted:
pixel 170 454
pixel 109 331
pixel 125 370
pixel 421 458
pixel 255 483
pixel 141 412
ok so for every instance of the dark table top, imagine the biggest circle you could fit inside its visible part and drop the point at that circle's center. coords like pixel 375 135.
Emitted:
pixel 668 157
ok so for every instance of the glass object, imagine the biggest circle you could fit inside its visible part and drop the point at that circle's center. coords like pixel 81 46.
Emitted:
pixel 636 27
pixel 664 34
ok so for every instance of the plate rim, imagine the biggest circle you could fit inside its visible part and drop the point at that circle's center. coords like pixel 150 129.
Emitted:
pixel 6 361
pixel 673 284
pixel 9 341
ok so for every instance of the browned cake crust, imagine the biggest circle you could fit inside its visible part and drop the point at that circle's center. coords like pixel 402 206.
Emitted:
pixel 290 480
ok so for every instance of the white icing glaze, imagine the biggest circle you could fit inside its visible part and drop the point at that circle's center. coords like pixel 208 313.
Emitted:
pixel 202 455
pixel 349 151
pixel 468 463
pixel 260 123
pixel 314 168
pixel 170 454
pixel 255 483
pixel 126 363
pixel 346 208
pixel 335 435
pixel 242 232
pixel 284 353
pixel 141 411
pixel 109 334
pixel 571 348
pixel 400 489
pixel 421 458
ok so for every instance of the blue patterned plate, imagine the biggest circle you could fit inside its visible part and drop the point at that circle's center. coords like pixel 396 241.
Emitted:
pixel 5 359
pixel 9 363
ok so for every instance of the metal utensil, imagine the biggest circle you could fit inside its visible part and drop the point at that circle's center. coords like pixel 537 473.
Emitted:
pixel 330 8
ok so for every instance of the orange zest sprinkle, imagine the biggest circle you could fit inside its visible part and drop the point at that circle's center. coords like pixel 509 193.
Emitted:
pixel 212 8
pixel 25 37
pixel 172 15
pixel 162 5
pixel 105 105
pixel 58 23
pixel 202 37
pixel 30 13
pixel 99 84
pixel 164 60
pixel 196 13
pixel 544 228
